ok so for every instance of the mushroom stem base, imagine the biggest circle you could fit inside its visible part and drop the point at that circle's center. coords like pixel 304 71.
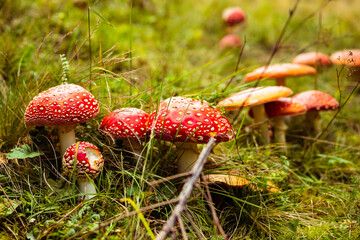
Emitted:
pixel 280 128
pixel 261 118
pixel 188 153
pixel 88 188
pixel 66 137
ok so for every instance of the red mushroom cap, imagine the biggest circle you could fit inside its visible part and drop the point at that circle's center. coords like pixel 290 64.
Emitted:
pixel 284 106
pixel 61 105
pixel 230 41
pixel 181 119
pixel 233 16
pixel 313 59
pixel 125 123
pixel 316 100
pixel 86 158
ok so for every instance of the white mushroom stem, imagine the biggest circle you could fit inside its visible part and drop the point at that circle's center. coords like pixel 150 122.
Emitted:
pixel 187 154
pixel 66 137
pixel 134 145
pixel 87 188
pixel 280 128
pixel 314 119
pixel 280 81
pixel 261 118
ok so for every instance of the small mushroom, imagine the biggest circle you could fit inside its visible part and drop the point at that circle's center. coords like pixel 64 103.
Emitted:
pixel 255 98
pixel 62 106
pixel 229 41
pixel 316 101
pixel 349 58
pixel 127 124
pixel 279 108
pixel 280 72
pixel 316 59
pixel 233 16
pixel 188 122
pixel 85 161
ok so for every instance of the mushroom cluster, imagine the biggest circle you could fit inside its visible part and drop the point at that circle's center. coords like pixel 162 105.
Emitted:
pixel 62 106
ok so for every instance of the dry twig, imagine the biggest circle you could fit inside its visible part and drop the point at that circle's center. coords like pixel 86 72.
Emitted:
pixel 186 191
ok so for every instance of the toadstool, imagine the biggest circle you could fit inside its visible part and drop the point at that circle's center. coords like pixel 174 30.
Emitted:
pixel 233 16
pixel 188 122
pixel 62 106
pixel 85 161
pixel 229 41
pixel 127 124
pixel 255 98
pixel 279 108
pixel 313 59
pixel 316 101
pixel 280 72
pixel 349 58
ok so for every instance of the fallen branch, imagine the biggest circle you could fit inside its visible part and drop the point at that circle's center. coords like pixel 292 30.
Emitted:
pixel 186 191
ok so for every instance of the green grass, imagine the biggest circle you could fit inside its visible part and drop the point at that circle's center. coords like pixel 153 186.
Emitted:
pixel 149 52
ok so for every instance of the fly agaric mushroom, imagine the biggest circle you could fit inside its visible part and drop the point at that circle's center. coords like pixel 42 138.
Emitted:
pixel 255 98
pixel 127 124
pixel 229 41
pixel 85 161
pixel 313 59
pixel 280 72
pixel 316 101
pixel 349 58
pixel 188 122
pixel 62 106
pixel 233 16
pixel 277 110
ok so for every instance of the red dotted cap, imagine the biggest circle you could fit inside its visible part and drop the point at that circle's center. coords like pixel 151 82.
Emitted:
pixel 313 59
pixel 89 161
pixel 316 100
pixel 179 119
pixel 125 123
pixel 283 107
pixel 233 16
pixel 61 105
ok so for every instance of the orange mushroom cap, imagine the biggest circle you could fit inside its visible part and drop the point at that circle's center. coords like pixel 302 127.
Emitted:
pixel 348 57
pixel 280 70
pixel 254 96
pixel 313 59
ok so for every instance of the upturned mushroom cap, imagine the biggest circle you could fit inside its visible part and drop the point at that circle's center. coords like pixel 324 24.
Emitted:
pixel 313 59
pixel 65 104
pixel 182 119
pixel 86 158
pixel 233 16
pixel 284 106
pixel 280 70
pixel 254 96
pixel 316 100
pixel 125 123
pixel 230 41
pixel 348 57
